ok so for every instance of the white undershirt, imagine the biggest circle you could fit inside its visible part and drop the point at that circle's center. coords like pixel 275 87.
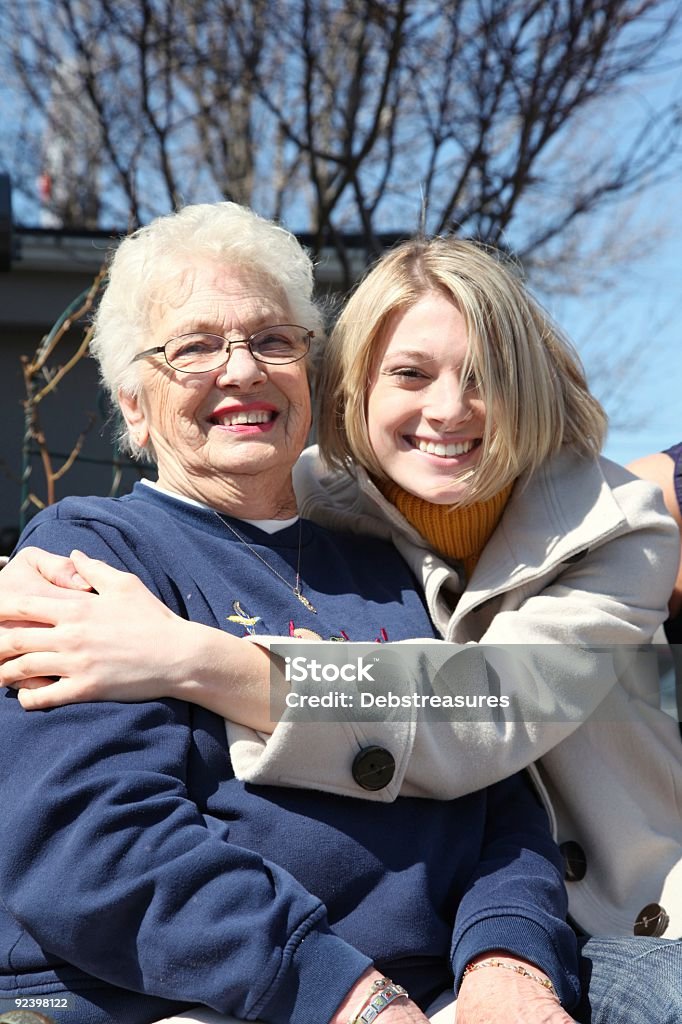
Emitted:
pixel 266 525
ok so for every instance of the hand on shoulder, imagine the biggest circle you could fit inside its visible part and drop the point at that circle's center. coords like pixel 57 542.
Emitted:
pixel 659 468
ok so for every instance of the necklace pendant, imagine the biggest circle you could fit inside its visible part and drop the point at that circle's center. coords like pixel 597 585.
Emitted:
pixel 304 601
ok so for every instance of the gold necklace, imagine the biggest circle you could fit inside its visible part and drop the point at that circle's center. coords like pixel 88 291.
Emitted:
pixel 295 590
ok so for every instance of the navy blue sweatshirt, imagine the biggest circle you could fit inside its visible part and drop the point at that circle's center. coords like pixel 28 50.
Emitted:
pixel 138 874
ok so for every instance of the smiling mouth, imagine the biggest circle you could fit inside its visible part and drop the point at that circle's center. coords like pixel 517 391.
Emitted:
pixel 241 419
pixel 443 450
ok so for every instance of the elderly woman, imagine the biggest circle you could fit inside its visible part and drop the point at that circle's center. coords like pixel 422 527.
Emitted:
pixel 476 437
pixel 138 875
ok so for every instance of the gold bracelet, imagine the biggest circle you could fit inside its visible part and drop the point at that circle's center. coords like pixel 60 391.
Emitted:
pixel 517 968
pixel 382 992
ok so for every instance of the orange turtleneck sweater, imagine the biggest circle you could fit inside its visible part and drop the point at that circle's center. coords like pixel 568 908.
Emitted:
pixel 458 534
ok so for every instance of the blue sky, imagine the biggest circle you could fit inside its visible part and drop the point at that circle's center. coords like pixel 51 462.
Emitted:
pixel 631 341
pixel 629 332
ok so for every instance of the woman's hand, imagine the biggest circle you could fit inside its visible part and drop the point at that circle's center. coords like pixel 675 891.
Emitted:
pixel 121 643
pixel 495 995
pixel 401 1011
pixel 116 644
pixel 33 571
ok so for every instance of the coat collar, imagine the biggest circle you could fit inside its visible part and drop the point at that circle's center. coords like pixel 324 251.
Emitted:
pixel 552 517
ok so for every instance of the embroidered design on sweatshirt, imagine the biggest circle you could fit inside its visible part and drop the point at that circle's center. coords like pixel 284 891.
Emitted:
pixel 241 617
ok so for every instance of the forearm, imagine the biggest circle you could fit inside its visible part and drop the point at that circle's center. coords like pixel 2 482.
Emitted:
pixel 400 1011
pixel 507 989
pixel 440 759
pixel 75 635
pixel 229 676
pixel 515 903
pixel 590 614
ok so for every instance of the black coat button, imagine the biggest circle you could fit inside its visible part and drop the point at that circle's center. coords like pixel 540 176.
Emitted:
pixel 575 861
pixel 373 768
pixel 653 921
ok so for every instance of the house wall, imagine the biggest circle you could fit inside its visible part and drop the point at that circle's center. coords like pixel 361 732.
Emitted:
pixel 34 292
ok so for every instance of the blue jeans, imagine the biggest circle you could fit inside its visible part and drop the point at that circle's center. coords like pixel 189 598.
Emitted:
pixel 630 981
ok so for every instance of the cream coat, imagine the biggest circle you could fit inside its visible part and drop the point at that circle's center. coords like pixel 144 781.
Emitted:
pixel 585 556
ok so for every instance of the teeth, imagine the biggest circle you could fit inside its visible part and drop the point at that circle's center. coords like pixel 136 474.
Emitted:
pixel 241 418
pixel 444 450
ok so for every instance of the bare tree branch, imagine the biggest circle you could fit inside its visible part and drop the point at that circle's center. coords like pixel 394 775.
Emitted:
pixel 351 115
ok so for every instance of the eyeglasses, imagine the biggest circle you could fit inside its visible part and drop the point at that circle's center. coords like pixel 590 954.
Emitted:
pixel 201 353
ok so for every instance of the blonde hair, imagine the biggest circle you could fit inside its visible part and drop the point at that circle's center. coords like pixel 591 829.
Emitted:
pixel 149 262
pixel 528 375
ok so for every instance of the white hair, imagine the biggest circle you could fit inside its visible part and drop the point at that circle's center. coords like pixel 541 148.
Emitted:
pixel 145 261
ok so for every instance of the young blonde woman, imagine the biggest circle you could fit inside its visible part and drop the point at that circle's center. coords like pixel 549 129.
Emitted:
pixel 455 419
